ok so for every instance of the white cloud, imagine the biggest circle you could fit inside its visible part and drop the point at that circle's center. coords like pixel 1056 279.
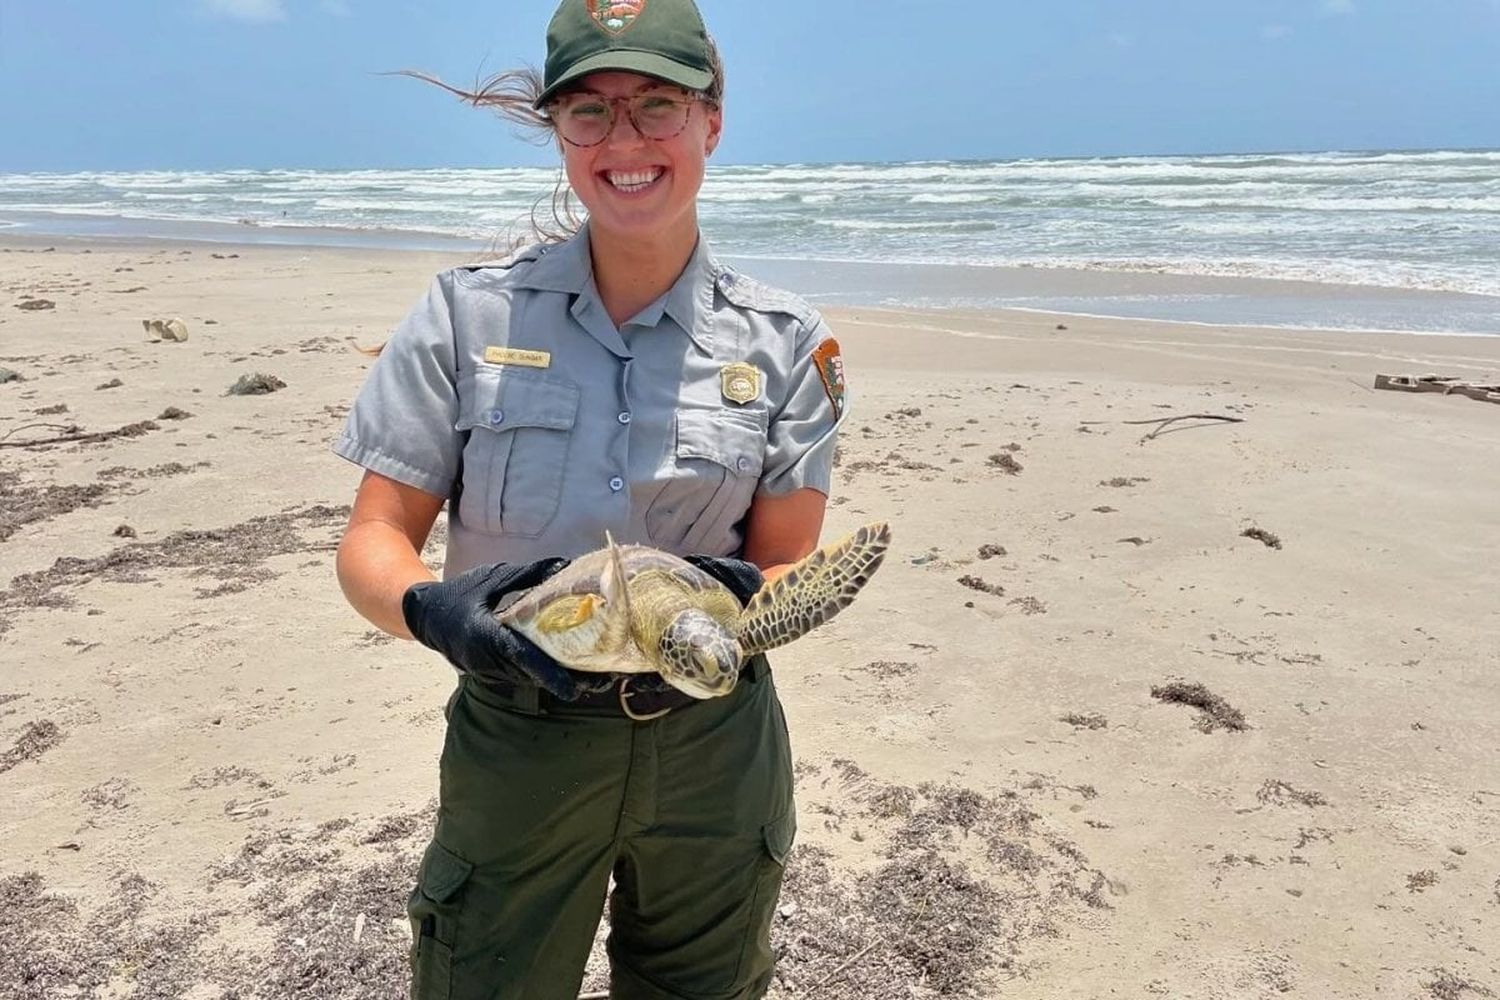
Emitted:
pixel 259 11
pixel 1274 31
pixel 1337 7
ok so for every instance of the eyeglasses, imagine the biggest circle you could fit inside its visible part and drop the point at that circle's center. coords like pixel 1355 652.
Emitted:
pixel 586 119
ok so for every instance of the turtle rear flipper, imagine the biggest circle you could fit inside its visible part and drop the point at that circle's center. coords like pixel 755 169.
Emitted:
pixel 614 590
pixel 813 591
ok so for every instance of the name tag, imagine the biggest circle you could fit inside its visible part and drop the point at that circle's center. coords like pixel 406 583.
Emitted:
pixel 516 356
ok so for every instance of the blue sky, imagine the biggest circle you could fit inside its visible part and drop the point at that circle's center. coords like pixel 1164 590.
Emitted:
pixel 211 84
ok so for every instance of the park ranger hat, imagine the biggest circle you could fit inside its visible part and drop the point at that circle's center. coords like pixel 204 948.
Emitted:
pixel 664 39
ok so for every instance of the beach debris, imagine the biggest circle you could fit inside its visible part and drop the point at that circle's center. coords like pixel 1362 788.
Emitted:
pixel 1263 536
pixel 46 411
pixel 28 503
pixel 174 330
pixel 989 550
pixel 975 583
pixel 124 531
pixel 27 302
pixel 1448 385
pixel 1215 712
pixel 1006 462
pixel 1085 720
pixel 256 384
pixel 74 433
pixel 1451 986
pixel 1029 605
pixel 1135 540
pixel 173 413
pixel 1162 423
pixel 1276 792
pixel 35 739
pixel 10 375
pixel 1120 482
pixel 113 383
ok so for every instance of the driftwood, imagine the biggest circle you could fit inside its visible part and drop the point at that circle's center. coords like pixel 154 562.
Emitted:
pixel 1448 385
pixel 1163 422
pixel 72 433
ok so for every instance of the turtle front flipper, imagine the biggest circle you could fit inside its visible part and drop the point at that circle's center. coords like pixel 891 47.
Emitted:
pixel 813 591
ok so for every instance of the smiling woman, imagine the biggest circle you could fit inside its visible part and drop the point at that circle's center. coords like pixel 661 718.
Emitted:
pixel 523 98
pixel 613 380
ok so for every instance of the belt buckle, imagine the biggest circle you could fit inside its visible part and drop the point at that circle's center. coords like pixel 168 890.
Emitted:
pixel 630 713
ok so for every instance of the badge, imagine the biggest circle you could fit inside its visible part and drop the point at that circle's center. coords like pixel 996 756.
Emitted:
pixel 516 356
pixel 740 382
pixel 831 370
pixel 614 16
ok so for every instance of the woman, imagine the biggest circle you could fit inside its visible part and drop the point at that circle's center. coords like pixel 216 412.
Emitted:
pixel 622 380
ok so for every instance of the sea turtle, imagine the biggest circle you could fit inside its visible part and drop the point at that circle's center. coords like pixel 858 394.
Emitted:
pixel 633 609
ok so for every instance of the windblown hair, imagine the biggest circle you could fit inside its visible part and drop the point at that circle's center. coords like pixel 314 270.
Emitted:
pixel 512 95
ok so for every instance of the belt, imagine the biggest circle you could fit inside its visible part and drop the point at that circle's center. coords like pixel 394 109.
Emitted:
pixel 620 700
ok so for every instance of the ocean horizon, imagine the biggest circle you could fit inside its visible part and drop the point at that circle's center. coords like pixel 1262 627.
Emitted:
pixel 1387 240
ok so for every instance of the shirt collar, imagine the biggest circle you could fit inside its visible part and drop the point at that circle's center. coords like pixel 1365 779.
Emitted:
pixel 568 267
pixel 690 300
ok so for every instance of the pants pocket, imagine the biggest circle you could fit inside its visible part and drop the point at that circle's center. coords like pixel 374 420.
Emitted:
pixel 756 960
pixel 434 908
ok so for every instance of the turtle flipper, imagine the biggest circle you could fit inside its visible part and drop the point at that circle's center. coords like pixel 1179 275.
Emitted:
pixel 813 591
pixel 614 590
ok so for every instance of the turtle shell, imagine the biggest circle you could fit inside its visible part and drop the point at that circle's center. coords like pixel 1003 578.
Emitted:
pixel 576 618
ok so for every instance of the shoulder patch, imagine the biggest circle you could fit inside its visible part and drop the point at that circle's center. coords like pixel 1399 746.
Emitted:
pixel 830 364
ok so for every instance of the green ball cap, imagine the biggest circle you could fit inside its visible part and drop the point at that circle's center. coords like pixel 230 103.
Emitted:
pixel 664 39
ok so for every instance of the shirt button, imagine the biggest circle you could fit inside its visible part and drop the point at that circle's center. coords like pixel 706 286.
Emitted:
pixel 624 418
pixel 495 416
pixel 617 484
pixel 743 463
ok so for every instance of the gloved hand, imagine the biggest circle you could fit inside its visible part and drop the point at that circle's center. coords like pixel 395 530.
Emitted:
pixel 457 618
pixel 742 578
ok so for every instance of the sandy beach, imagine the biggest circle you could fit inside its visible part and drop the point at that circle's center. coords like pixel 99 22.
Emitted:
pixel 1082 737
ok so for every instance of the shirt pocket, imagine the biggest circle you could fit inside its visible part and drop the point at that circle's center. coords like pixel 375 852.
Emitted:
pixel 519 427
pixel 710 480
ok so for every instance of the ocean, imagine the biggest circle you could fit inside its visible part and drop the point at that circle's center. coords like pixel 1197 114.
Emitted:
pixel 1376 240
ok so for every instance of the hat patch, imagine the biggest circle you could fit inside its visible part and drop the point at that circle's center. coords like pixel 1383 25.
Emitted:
pixel 614 16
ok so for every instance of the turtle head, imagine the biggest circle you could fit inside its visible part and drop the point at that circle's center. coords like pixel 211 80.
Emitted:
pixel 699 656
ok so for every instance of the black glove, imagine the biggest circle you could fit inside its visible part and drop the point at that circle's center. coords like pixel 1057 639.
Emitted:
pixel 741 577
pixel 457 618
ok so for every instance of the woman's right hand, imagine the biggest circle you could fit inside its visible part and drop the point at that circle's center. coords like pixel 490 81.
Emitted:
pixel 457 618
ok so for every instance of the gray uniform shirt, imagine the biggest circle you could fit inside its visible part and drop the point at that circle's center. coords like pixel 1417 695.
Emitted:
pixel 509 391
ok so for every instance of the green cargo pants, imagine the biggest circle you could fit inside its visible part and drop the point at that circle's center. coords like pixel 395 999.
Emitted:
pixel 691 813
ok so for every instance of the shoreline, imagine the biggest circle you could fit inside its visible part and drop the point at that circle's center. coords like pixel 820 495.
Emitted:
pixel 1238 302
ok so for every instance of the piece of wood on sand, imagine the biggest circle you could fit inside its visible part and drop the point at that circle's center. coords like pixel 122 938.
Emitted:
pixel 1448 385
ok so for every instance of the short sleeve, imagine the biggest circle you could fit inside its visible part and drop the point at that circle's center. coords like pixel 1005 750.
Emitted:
pixel 804 431
pixel 401 424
